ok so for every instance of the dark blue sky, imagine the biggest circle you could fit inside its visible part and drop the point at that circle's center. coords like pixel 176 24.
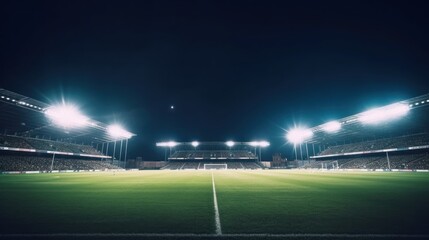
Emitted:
pixel 240 70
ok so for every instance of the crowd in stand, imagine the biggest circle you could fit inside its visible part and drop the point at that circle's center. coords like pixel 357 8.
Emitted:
pixel 37 163
pixel 407 158
pixel 402 161
pixel 7 141
pixel 178 165
pixel 207 154
pixel 48 145
pixel 397 142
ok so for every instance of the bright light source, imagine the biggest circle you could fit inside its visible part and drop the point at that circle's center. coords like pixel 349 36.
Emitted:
pixel 230 143
pixel 117 131
pixel 254 144
pixel 167 144
pixel 264 144
pixel 299 135
pixel 259 144
pixel 195 143
pixel 332 126
pixel 382 114
pixel 66 116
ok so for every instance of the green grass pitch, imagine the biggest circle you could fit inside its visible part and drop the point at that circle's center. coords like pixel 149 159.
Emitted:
pixel 265 201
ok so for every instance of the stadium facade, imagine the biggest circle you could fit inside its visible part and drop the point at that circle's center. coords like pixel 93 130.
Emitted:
pixel 36 136
pixel 385 138
pixel 212 155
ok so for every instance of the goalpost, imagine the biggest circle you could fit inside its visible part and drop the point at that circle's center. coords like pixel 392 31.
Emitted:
pixel 209 166
pixel 330 165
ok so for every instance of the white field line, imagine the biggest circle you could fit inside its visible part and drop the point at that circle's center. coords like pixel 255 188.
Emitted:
pixel 191 235
pixel 216 208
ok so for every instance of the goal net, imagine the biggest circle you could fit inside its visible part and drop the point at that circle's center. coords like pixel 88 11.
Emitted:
pixel 330 165
pixel 209 166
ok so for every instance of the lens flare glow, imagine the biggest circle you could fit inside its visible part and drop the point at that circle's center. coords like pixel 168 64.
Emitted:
pixel 332 126
pixel 118 131
pixel 67 116
pixel 167 144
pixel 383 114
pixel 298 135
pixel 230 143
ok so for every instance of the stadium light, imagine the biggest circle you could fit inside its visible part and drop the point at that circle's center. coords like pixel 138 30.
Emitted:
pixel 116 131
pixel 254 144
pixel 195 143
pixel 298 135
pixel 382 114
pixel 264 144
pixel 167 144
pixel 259 144
pixel 230 143
pixel 332 126
pixel 67 116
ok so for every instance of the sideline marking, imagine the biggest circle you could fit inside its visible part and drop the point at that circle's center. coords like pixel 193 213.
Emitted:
pixel 238 235
pixel 216 208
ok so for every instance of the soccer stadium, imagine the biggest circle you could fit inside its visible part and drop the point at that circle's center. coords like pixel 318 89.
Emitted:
pixel 67 176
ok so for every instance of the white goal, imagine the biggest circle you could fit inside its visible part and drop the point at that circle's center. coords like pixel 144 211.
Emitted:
pixel 209 166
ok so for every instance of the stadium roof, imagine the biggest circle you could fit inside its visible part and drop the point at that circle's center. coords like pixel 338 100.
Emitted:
pixel 24 116
pixel 353 128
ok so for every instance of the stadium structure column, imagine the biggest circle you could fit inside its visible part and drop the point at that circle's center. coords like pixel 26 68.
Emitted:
pixel 107 149
pixel 102 149
pixel 294 149
pixel 306 149
pixel 126 149
pixel 52 163
pixel 120 153
pixel 388 160
pixel 314 154
pixel 300 150
pixel 114 152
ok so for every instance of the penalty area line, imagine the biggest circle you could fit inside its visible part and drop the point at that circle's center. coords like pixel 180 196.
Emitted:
pixel 216 208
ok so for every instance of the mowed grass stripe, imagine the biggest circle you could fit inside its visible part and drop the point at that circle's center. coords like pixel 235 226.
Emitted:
pixel 305 202
pixel 250 202
pixel 141 202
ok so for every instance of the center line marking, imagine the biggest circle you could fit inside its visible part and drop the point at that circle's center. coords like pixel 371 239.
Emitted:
pixel 216 208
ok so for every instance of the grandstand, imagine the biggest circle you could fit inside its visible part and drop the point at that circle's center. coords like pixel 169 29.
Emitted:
pixel 391 137
pixel 36 136
pixel 212 155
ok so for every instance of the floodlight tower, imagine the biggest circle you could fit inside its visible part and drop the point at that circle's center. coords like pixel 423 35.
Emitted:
pixel 259 145
pixel 195 145
pixel 66 116
pixel 118 133
pixel 262 144
pixel 298 136
pixel 169 144
pixel 230 144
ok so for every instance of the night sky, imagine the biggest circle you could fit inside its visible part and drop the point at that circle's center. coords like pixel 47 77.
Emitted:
pixel 239 70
